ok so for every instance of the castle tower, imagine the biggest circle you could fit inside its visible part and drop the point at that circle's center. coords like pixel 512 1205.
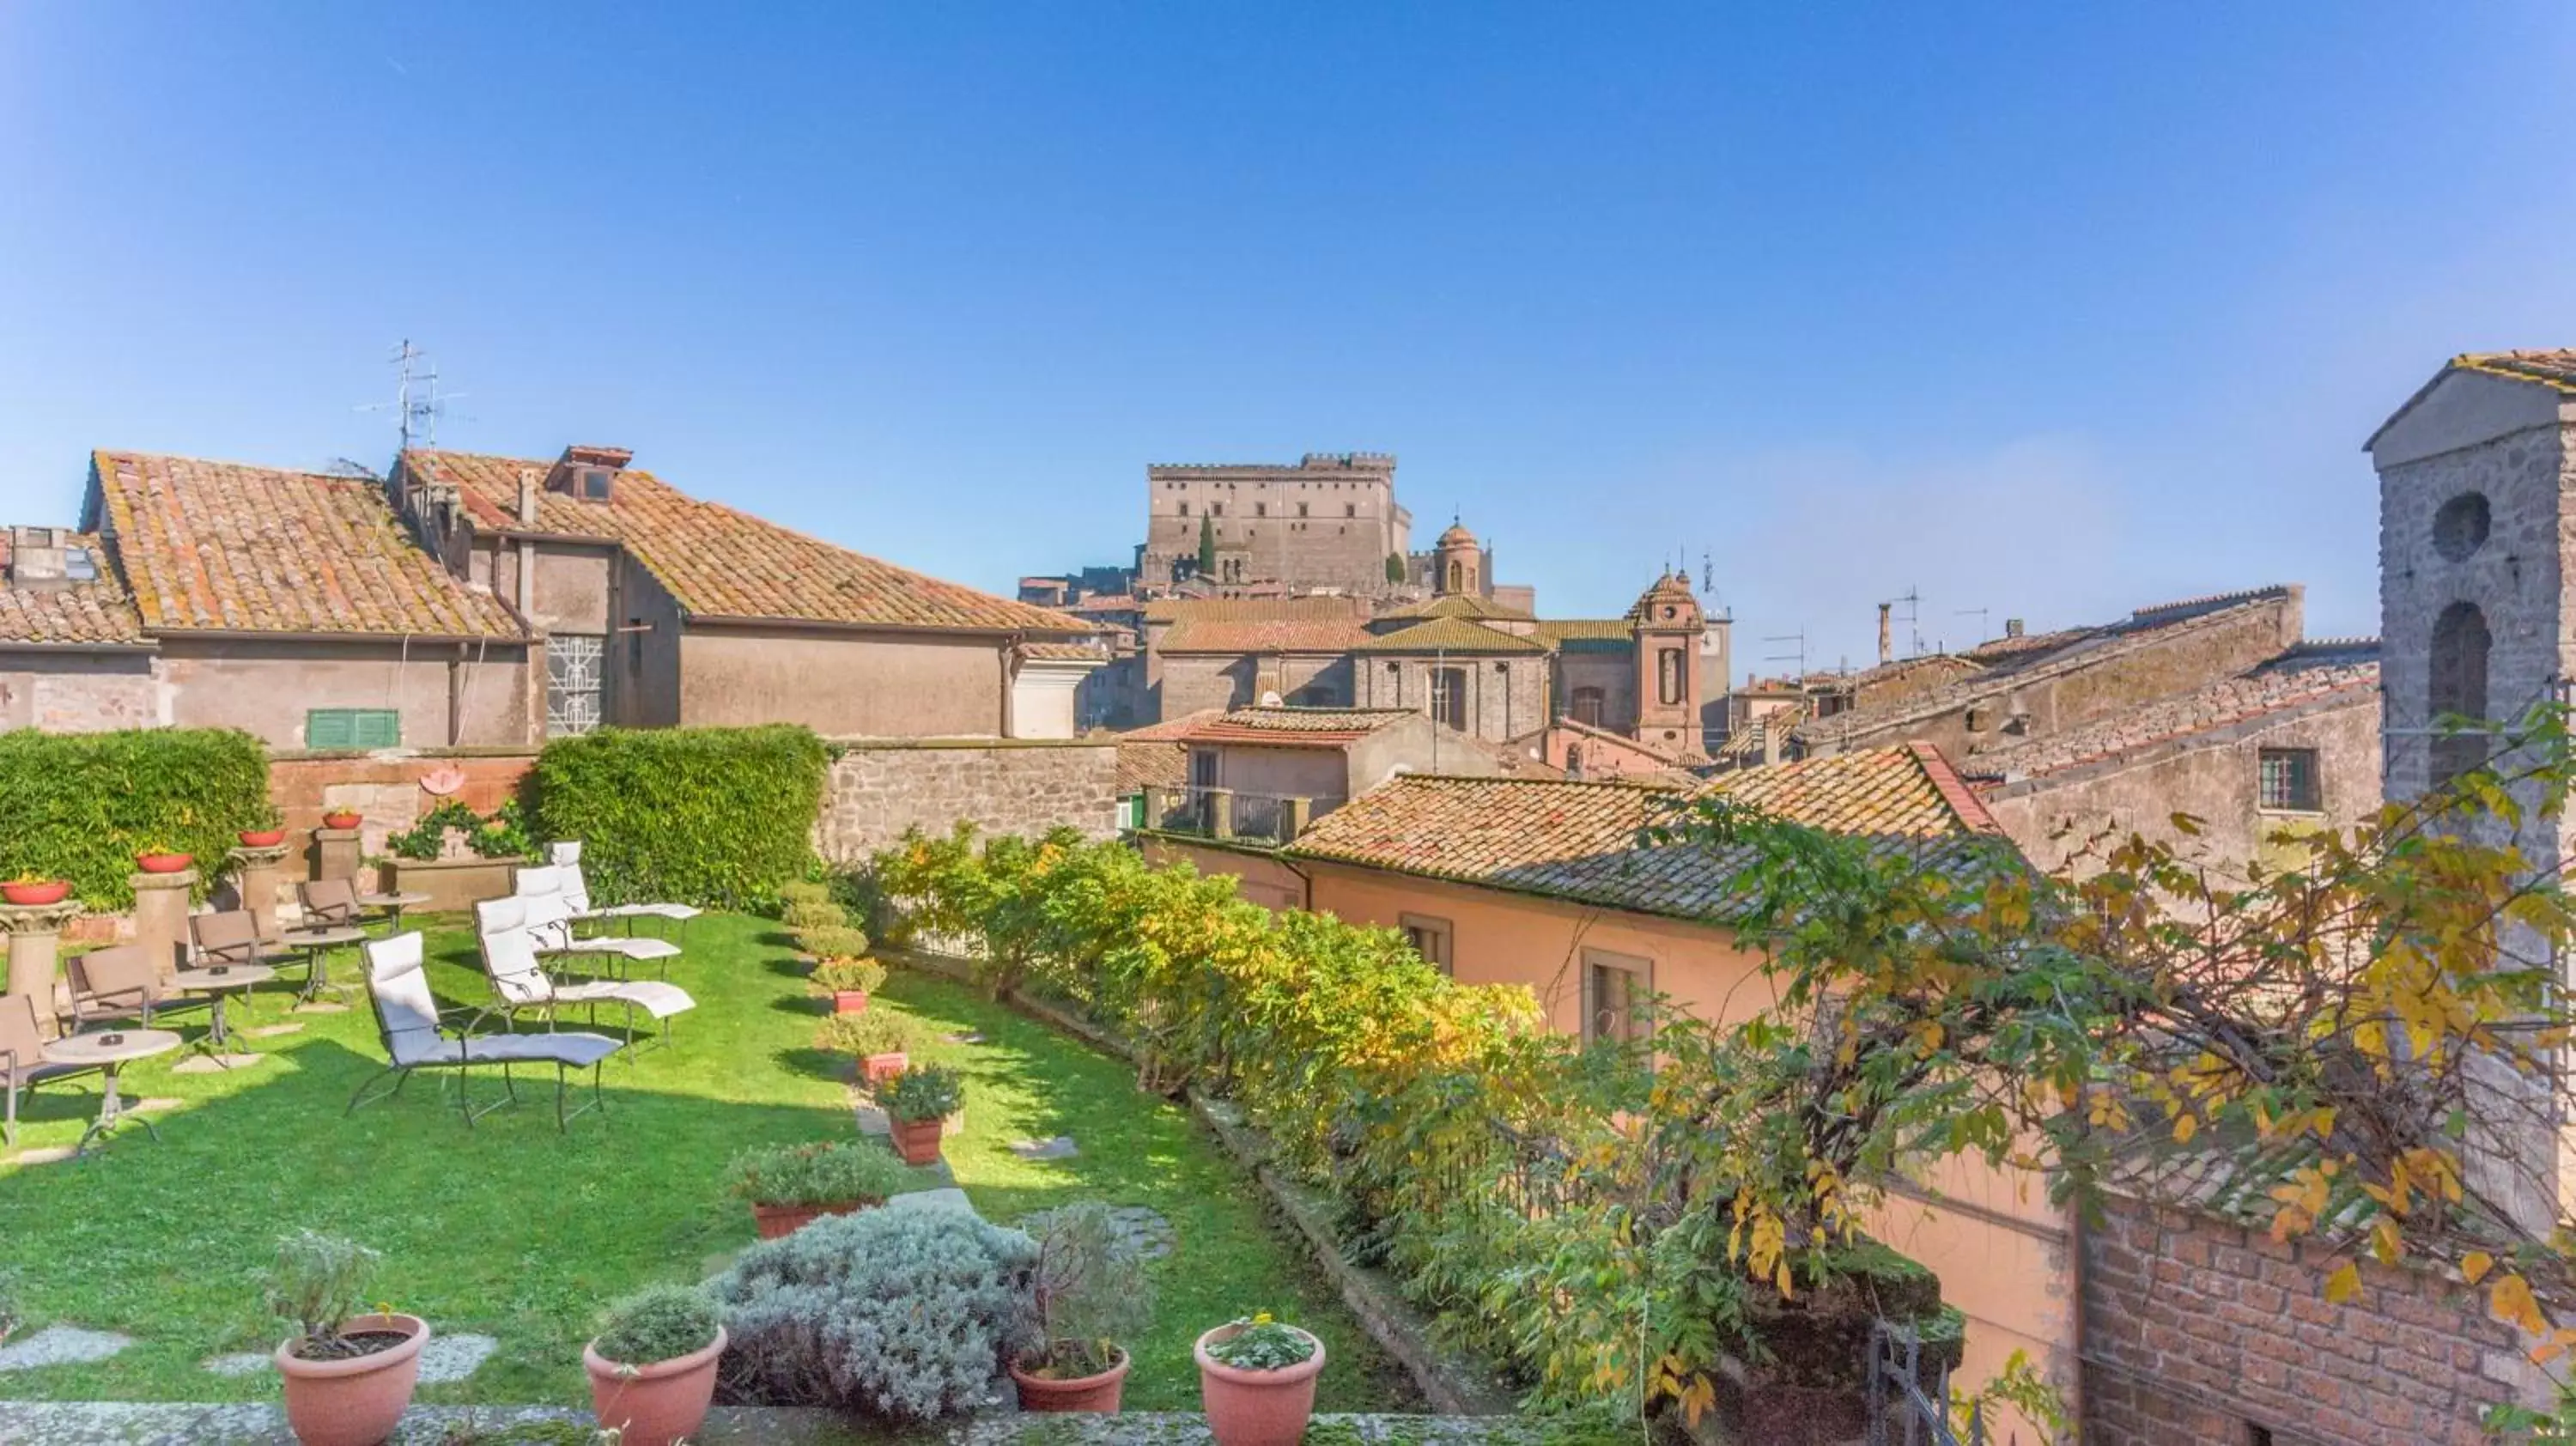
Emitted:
pixel 1668 632
pixel 1457 563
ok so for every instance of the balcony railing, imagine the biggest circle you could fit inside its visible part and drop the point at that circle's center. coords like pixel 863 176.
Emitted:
pixel 1228 813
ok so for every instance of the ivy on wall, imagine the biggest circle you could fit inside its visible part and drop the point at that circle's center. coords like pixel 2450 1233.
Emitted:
pixel 80 806
pixel 718 817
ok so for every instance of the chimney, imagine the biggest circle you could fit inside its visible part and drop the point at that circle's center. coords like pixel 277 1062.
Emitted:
pixel 1886 649
pixel 2012 627
pixel 527 497
pixel 37 559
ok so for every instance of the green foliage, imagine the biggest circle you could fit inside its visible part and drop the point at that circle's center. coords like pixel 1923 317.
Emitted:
pixel 1262 1344
pixel 503 836
pixel 718 817
pixel 923 1092
pixel 803 891
pixel 1091 1293
pixel 80 806
pixel 1207 547
pixel 13 1308
pixel 825 1172
pixel 833 942
pixel 658 1323
pixel 316 1284
pixel 846 975
pixel 875 1032
pixel 1395 567
pixel 803 914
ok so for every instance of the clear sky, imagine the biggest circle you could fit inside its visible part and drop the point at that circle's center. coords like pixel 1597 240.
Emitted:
pixel 2049 310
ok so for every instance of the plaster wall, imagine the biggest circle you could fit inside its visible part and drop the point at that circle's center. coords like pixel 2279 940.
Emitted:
pixel 72 692
pixel 266 688
pixel 842 684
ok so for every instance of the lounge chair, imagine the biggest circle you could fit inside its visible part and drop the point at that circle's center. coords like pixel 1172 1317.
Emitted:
pixel 520 982
pixel 22 1059
pixel 120 983
pixel 415 1038
pixel 550 921
pixel 566 857
pixel 330 904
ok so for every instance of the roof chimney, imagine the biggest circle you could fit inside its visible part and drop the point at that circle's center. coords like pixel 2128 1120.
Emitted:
pixel 527 497
pixel 2012 627
pixel 37 558
pixel 1886 648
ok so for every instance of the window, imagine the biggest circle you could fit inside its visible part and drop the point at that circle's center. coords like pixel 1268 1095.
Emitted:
pixel 1350 509
pixel 1457 578
pixel 595 484
pixel 1614 987
pixel 1185 509
pixel 352 728
pixel 2257 1435
pixel 636 628
pixel 1449 697
pixel 1587 706
pixel 1301 509
pixel 1668 675
pixel 2459 689
pixel 574 663
pixel 1202 768
pixel 1260 509
pixel 1216 509
pixel 2289 781
pixel 2460 528
pixel 1433 939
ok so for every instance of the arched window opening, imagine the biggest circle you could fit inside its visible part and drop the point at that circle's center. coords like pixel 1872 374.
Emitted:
pixel 2458 689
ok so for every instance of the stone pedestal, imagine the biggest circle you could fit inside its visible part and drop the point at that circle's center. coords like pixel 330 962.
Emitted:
pixel 161 916
pixel 336 854
pixel 256 873
pixel 34 932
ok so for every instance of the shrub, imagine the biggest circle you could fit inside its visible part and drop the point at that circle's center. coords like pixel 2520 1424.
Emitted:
pixel 1090 1293
pixel 658 1323
pixel 1263 1344
pixel 804 914
pixel 840 976
pixel 502 836
pixel 80 806
pixel 826 1172
pixel 317 1283
pixel 834 943
pixel 805 891
pixel 719 817
pixel 923 1092
pixel 875 1032
pixel 906 1313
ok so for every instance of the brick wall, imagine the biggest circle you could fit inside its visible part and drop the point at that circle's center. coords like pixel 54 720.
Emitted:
pixel 387 790
pixel 2198 1331
pixel 879 788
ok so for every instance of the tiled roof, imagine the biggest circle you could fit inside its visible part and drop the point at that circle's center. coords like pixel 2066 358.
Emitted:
pixel 1297 727
pixel 1068 652
pixel 1146 763
pixel 720 563
pixel 218 546
pixel 1556 632
pixel 1447 635
pixel 2553 367
pixel 2312 675
pixel 1170 730
pixel 1255 609
pixel 1579 841
pixel 1457 605
pixel 1321 635
pixel 1669 588
pixel 95 611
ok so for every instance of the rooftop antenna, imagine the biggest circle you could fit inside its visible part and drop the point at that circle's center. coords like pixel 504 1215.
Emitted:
pixel 1911 600
pixel 418 404
pixel 1980 615
pixel 1797 655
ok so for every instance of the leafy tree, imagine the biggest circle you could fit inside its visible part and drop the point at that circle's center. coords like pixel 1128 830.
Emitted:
pixel 1395 567
pixel 1207 546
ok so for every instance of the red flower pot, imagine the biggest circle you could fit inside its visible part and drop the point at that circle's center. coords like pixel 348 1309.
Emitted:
pixel 358 1401
pixel 876 1069
pixel 774 1221
pixel 657 1404
pixel 343 819
pixel 50 891
pixel 1081 1393
pixel 1256 1408
pixel 262 838
pixel 849 1001
pixel 917 1141
pixel 164 863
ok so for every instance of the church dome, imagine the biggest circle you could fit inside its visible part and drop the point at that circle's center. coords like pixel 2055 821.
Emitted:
pixel 1457 536
pixel 1670 590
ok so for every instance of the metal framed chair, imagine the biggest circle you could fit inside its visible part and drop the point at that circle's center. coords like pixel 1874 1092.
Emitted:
pixel 416 1036
pixel 22 1059
pixel 520 982
pixel 330 902
pixel 232 937
pixel 565 855
pixel 120 982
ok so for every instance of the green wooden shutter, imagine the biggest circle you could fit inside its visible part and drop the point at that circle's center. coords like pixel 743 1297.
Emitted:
pixel 379 728
pixel 352 728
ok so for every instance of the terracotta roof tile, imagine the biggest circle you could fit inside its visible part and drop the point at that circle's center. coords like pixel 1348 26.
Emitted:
pixel 1457 605
pixel 2322 673
pixel 2551 367
pixel 721 563
pixel 1558 632
pixel 1448 635
pixel 1296 727
pixel 1067 652
pixel 1277 636
pixel 93 611
pixel 1255 609
pixel 219 546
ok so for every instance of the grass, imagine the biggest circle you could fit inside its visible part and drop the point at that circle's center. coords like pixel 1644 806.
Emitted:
pixel 513 1231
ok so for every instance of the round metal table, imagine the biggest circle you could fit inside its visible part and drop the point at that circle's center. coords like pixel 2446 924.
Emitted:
pixel 317 944
pixel 217 981
pixel 393 904
pixel 109 1050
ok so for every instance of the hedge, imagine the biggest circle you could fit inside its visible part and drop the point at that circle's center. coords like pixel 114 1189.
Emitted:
pixel 718 817
pixel 80 806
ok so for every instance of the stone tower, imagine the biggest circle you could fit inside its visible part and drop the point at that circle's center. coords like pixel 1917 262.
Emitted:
pixel 1668 631
pixel 1457 563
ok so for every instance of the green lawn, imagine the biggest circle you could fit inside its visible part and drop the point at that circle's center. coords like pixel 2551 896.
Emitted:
pixel 516 1232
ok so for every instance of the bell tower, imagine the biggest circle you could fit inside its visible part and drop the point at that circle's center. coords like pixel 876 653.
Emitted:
pixel 1668 629
pixel 1457 563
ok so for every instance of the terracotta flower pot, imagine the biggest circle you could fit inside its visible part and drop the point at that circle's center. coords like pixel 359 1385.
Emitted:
pixel 163 863
pixel 50 891
pixel 262 838
pixel 1081 1393
pixel 358 1401
pixel 653 1405
pixel 342 819
pixel 1256 1408
pixel 773 1221
pixel 876 1069
pixel 849 1001
pixel 917 1141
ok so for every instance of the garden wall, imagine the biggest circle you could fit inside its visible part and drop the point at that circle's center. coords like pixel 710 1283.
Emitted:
pixel 878 788
pixel 386 788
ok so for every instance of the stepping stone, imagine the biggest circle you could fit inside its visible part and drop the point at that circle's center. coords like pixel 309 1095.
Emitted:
pixel 62 1345
pixel 45 1156
pixel 155 1104
pixel 950 1198
pixel 1151 1236
pixel 244 1363
pixel 272 1031
pixel 318 1007
pixel 454 1357
pixel 1059 1148
pixel 873 1121
pixel 971 1036
pixel 214 1063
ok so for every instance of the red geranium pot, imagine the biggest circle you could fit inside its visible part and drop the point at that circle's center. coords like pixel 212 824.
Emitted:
pixel 262 838
pixel 917 1141
pixel 849 1001
pixel 163 863
pixel 657 1404
pixel 357 1401
pixel 1080 1393
pixel 49 891
pixel 774 1221
pixel 876 1069
pixel 343 819
pixel 1256 1408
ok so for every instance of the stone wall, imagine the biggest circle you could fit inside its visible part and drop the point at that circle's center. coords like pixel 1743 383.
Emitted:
pixel 880 787
pixel 2198 1330
pixel 386 789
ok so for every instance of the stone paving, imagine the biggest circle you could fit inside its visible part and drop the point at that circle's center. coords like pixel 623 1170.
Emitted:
pixel 1060 1147
pixel 1146 1230
pixel 62 1345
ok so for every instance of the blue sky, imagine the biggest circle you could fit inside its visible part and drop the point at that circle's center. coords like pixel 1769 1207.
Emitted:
pixel 2045 310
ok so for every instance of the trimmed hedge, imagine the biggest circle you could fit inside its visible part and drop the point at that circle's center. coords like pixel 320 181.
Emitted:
pixel 718 817
pixel 80 806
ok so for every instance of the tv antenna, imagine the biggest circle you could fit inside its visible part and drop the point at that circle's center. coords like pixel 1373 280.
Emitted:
pixel 418 404
pixel 1797 655
pixel 1980 615
pixel 1911 603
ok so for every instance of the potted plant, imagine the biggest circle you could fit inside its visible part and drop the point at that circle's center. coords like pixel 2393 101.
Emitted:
pixel 268 832
pixel 833 941
pixel 918 1102
pixel 162 859
pixel 342 819
pixel 787 1186
pixel 881 1041
pixel 34 888
pixel 653 1364
pixel 1257 1381
pixel 846 982
pixel 1090 1294
pixel 349 1377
